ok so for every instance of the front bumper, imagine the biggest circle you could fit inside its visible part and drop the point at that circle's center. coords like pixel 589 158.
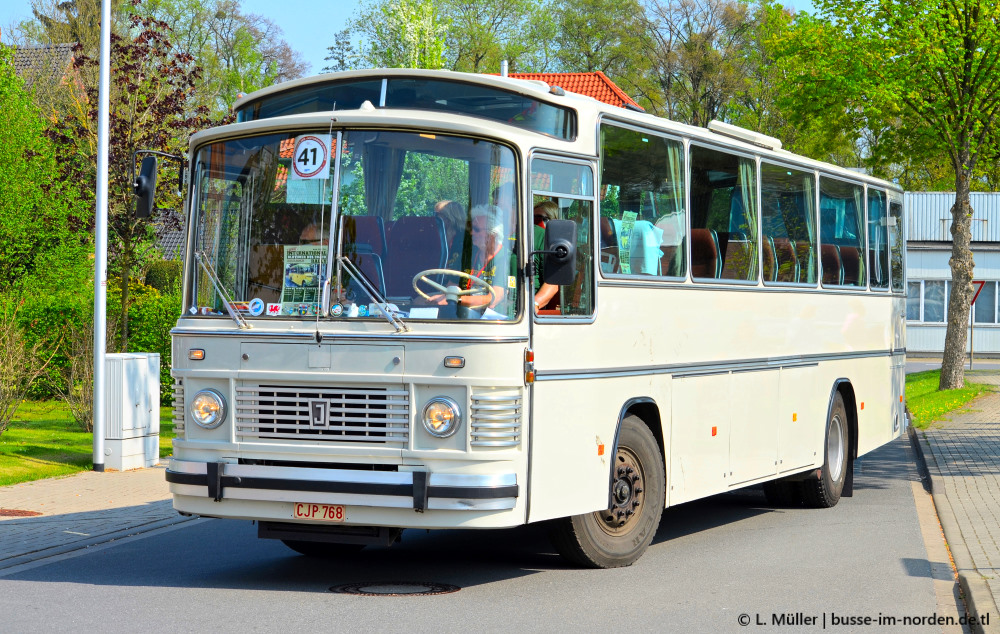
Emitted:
pixel 418 490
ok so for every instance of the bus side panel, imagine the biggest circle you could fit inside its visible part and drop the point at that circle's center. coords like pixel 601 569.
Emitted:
pixel 573 427
pixel 699 437
pixel 801 419
pixel 754 440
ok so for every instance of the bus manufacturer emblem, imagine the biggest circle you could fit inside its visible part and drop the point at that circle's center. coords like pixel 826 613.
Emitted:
pixel 319 412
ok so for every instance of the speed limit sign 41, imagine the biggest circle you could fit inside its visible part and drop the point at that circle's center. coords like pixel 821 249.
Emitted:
pixel 311 157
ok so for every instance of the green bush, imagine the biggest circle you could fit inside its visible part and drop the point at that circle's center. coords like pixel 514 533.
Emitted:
pixel 165 276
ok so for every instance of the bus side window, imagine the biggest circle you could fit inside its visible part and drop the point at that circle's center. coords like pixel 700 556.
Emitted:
pixel 724 201
pixel 788 223
pixel 841 208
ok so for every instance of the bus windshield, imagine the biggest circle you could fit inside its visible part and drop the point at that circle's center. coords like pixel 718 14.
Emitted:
pixel 426 227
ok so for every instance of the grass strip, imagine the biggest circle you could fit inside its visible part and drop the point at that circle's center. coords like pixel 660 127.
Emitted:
pixel 44 441
pixel 928 404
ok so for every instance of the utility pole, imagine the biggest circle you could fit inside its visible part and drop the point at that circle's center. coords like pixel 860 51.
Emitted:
pixel 101 241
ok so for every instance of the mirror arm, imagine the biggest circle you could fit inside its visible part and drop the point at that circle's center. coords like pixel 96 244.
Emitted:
pixel 175 157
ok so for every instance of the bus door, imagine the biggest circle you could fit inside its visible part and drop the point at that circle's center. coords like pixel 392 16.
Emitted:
pixel 568 473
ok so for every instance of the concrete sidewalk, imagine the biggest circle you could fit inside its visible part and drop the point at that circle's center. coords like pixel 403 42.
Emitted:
pixel 962 454
pixel 46 518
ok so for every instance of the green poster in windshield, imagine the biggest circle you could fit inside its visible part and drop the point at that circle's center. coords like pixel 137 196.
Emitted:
pixel 305 266
pixel 625 241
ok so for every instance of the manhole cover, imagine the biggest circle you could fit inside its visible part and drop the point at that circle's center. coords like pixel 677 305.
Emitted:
pixel 17 513
pixel 395 588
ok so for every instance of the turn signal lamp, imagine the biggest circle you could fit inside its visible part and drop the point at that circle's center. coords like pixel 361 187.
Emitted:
pixel 196 354
pixel 529 366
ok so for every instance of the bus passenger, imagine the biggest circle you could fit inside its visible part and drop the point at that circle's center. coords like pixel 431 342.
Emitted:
pixel 544 293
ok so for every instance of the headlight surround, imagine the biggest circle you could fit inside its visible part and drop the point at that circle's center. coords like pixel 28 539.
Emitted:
pixel 442 417
pixel 208 409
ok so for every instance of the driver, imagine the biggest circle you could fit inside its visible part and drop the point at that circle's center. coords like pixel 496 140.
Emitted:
pixel 489 260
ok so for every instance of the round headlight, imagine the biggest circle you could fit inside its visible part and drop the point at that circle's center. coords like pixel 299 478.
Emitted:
pixel 442 417
pixel 208 409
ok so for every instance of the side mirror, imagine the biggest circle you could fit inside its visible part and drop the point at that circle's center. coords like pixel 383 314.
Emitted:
pixel 145 188
pixel 560 259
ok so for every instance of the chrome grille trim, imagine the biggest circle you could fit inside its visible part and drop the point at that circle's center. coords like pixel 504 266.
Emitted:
pixel 378 415
pixel 495 419
pixel 178 407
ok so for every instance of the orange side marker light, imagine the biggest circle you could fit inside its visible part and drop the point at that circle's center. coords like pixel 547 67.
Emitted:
pixel 862 404
pixel 795 417
pixel 600 449
pixel 715 430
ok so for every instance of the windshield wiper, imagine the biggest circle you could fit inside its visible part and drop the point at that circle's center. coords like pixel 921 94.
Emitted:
pixel 207 267
pixel 393 318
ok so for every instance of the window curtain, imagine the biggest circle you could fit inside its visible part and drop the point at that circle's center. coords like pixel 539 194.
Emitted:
pixel 809 196
pixel 748 189
pixel 383 167
pixel 859 222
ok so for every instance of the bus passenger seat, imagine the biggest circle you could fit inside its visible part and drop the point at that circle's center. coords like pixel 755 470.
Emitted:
pixel 416 243
pixel 787 264
pixel 833 271
pixel 705 260
pixel 370 265
pixel 850 261
pixel 738 256
pixel 368 230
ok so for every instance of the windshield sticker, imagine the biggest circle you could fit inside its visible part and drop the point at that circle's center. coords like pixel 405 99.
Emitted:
pixel 304 267
pixel 273 310
pixel 256 307
pixel 311 157
pixel 336 310
pixel 362 311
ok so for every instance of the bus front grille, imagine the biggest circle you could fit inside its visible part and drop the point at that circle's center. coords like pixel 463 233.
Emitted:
pixel 370 415
pixel 495 419
pixel 179 408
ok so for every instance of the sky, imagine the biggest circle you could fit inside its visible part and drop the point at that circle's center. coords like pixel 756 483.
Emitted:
pixel 310 35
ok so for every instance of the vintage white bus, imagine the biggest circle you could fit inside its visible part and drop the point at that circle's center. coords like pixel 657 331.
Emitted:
pixel 378 336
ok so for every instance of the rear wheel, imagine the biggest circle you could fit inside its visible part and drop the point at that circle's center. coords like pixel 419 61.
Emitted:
pixel 825 491
pixel 619 535
pixel 322 550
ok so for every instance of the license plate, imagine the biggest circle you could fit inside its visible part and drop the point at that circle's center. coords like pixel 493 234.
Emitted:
pixel 322 512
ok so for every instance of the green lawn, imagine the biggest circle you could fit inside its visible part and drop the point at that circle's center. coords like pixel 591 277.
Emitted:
pixel 927 404
pixel 44 441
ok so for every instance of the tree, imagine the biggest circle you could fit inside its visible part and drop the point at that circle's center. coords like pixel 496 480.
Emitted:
pixel 605 35
pixel 150 109
pixel 43 223
pixel 400 34
pixel 238 52
pixel 483 33
pixel 933 70
pixel 697 57
pixel 343 54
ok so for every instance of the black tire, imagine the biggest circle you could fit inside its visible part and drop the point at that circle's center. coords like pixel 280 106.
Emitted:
pixel 824 492
pixel 619 536
pixel 322 550
pixel 783 492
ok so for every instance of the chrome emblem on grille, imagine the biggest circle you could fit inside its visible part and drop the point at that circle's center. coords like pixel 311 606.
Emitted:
pixel 319 412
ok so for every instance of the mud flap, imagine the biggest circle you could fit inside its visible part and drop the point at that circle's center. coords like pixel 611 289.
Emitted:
pixel 848 481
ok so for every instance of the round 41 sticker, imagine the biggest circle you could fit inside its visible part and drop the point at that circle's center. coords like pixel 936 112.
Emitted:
pixel 311 157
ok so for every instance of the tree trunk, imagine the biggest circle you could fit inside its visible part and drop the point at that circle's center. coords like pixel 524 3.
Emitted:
pixel 955 342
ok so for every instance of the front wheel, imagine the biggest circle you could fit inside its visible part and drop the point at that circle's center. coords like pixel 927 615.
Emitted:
pixel 619 535
pixel 824 492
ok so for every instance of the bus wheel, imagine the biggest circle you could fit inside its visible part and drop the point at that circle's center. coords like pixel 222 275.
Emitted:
pixel 620 535
pixel 824 492
pixel 322 550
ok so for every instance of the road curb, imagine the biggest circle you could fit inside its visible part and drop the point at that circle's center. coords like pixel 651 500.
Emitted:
pixel 61 549
pixel 978 597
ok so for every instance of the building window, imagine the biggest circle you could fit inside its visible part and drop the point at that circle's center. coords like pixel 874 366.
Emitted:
pixel 986 304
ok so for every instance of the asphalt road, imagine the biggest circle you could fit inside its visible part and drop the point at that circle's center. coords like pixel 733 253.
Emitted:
pixel 711 562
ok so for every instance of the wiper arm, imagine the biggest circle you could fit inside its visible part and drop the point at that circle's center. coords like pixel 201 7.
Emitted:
pixel 207 267
pixel 372 292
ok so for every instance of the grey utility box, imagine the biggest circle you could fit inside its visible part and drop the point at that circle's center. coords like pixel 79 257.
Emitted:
pixel 132 429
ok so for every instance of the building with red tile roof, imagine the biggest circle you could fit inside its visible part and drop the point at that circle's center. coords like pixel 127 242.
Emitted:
pixel 595 84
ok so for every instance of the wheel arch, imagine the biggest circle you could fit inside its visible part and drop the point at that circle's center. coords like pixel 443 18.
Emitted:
pixel 846 390
pixel 646 409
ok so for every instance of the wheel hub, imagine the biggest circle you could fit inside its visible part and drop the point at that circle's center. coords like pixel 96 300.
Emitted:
pixel 626 493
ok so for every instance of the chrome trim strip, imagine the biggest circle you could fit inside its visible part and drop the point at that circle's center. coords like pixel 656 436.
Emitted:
pixel 703 369
pixel 311 336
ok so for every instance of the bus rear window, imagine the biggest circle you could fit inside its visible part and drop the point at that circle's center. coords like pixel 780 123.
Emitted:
pixel 418 94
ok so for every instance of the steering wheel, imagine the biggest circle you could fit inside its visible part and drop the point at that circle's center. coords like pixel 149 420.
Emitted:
pixel 452 293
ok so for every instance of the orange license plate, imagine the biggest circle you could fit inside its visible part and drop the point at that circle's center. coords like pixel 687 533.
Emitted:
pixel 323 512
